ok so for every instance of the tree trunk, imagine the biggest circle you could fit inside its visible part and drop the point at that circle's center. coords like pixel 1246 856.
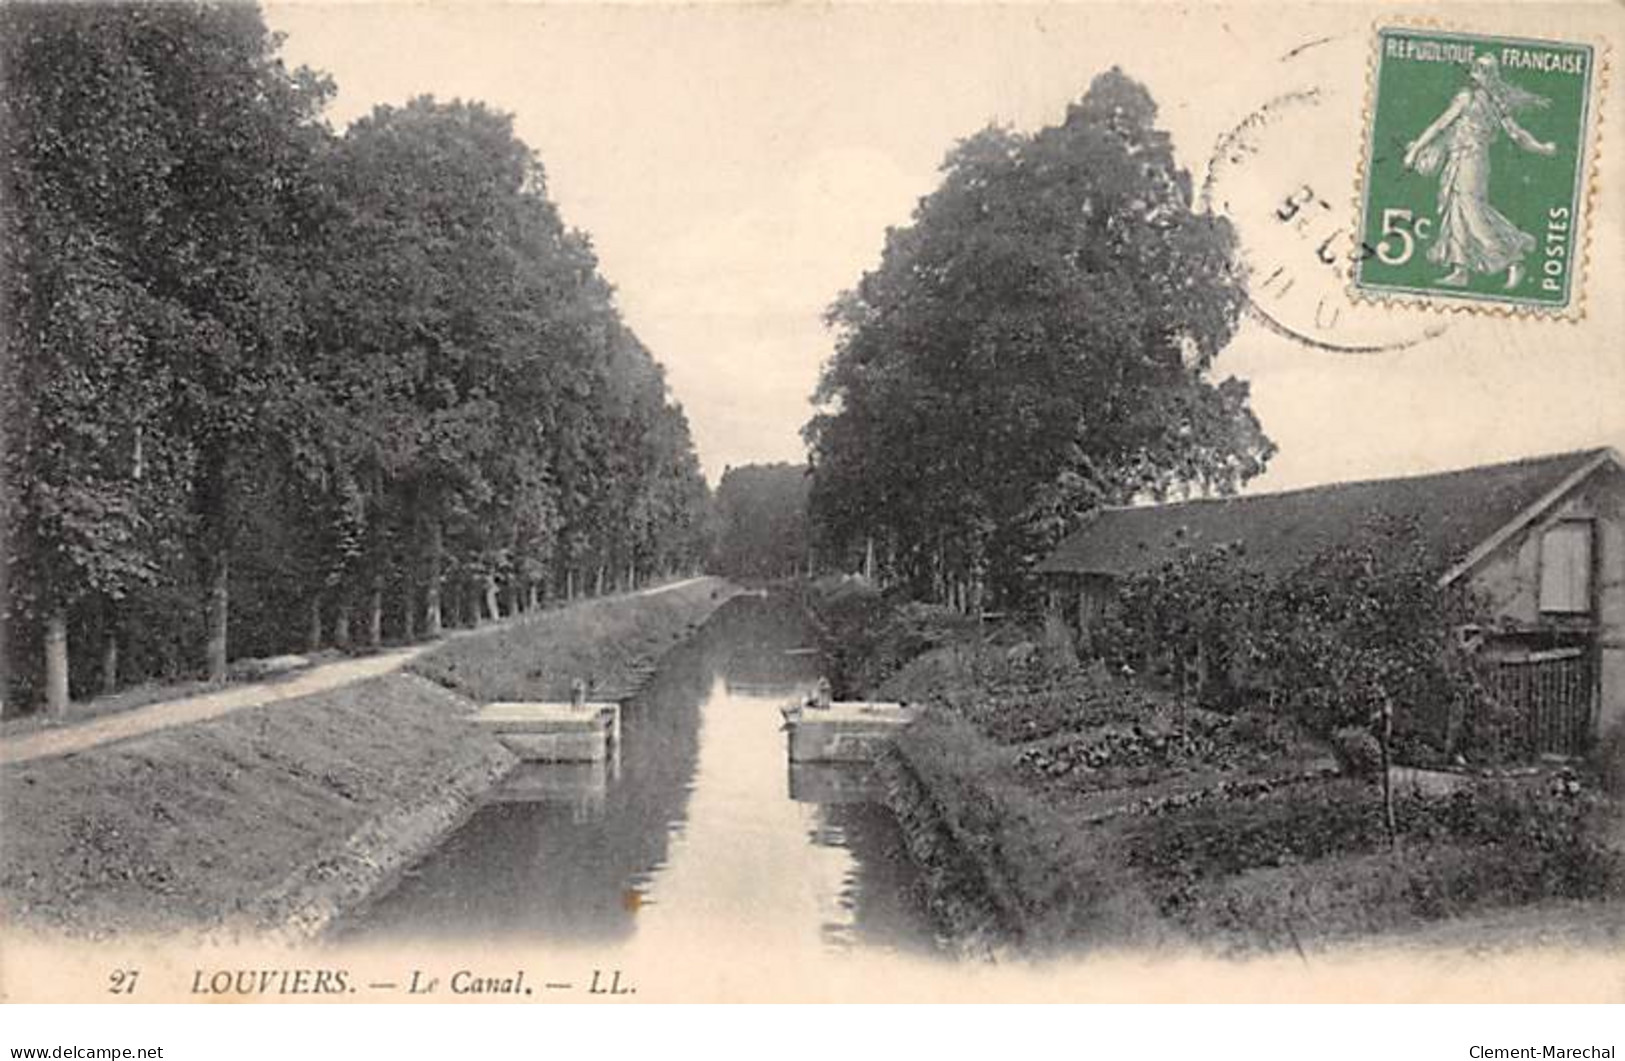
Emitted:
pixel 409 613
pixel 598 585
pixel 341 627
pixel 375 615
pixel 174 650
pixel 492 605
pixel 110 661
pixel 219 581
pixel 431 612
pixel 570 584
pixel 869 559
pixel 535 602
pixel 1385 739
pixel 56 663
pixel 313 636
pixel 109 647
pixel 472 604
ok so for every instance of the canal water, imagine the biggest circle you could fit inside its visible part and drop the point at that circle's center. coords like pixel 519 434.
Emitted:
pixel 699 830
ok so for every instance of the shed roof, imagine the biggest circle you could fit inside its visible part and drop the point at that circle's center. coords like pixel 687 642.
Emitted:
pixel 1456 513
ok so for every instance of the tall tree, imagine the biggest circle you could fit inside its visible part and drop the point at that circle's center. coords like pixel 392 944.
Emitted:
pixel 761 521
pixel 1036 343
pixel 154 159
pixel 245 359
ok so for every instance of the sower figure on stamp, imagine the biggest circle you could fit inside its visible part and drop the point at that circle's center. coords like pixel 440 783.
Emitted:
pixel 1473 236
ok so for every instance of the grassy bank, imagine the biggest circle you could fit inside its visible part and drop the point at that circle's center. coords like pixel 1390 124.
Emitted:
pixel 1095 812
pixel 283 817
pixel 215 826
pixel 611 643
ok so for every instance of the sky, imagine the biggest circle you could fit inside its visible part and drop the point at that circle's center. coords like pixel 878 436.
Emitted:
pixel 737 167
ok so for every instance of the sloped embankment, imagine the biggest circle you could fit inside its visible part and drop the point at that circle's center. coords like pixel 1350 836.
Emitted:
pixel 612 643
pixel 273 814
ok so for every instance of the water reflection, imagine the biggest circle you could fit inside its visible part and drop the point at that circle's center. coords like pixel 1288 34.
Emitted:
pixel 582 787
pixel 696 828
pixel 833 783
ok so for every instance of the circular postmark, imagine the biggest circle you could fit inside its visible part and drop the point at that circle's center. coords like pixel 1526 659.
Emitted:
pixel 1284 177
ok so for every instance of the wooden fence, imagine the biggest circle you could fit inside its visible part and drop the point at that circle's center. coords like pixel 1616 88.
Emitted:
pixel 1548 697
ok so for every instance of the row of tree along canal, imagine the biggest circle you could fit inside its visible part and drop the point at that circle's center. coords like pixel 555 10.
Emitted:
pixel 269 387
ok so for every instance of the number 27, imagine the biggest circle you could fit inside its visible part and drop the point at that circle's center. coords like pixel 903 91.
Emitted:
pixel 122 981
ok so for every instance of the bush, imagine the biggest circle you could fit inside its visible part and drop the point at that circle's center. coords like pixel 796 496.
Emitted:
pixel 1215 839
pixel 1160 743
pixel 1336 639
pixel 1358 753
pixel 1279 906
pixel 1543 843
pixel 1015 705
pixel 867 636
pixel 1563 822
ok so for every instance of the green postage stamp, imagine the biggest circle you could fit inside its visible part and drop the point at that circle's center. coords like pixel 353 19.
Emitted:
pixel 1475 179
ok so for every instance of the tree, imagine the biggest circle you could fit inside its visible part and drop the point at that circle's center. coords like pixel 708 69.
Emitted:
pixel 761 521
pixel 1359 642
pixel 154 161
pixel 497 416
pixel 247 360
pixel 1035 344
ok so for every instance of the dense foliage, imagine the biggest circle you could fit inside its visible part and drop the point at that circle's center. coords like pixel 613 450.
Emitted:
pixel 760 514
pixel 259 369
pixel 1109 757
pixel 1358 632
pixel 1035 344
pixel 1314 859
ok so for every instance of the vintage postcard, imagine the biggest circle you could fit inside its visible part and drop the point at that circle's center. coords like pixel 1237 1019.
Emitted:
pixel 1070 502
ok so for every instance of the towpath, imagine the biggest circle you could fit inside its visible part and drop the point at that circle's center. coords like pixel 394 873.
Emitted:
pixel 76 737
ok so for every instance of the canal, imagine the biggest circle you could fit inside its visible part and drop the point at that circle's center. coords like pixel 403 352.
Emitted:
pixel 698 831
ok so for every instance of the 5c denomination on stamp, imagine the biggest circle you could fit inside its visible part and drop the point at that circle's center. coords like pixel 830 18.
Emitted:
pixel 1475 179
